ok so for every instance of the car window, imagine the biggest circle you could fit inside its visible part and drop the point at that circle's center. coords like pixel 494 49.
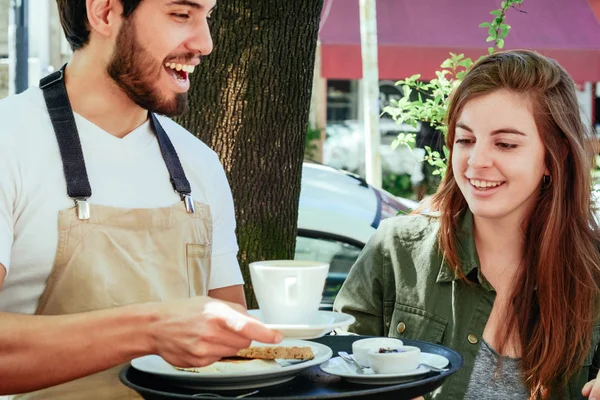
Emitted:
pixel 340 256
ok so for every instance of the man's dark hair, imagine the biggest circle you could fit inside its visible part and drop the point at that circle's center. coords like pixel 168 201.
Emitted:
pixel 73 18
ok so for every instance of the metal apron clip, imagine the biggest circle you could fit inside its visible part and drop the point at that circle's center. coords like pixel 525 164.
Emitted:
pixel 83 208
pixel 189 203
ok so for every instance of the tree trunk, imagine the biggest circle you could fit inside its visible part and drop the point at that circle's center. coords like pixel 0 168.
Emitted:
pixel 249 102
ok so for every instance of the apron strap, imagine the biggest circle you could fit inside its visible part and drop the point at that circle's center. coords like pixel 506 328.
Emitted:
pixel 65 129
pixel 178 178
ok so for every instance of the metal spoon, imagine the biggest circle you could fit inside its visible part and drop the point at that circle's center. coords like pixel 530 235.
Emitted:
pixel 348 358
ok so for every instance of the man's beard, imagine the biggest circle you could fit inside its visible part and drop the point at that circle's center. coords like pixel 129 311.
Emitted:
pixel 137 73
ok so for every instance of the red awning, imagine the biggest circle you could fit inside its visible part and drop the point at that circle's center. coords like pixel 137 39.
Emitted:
pixel 415 36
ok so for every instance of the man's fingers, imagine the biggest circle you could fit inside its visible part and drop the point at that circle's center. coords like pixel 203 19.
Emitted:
pixel 252 329
pixel 241 323
pixel 256 330
pixel 228 338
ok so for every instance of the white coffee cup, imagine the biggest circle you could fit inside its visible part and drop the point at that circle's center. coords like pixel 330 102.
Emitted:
pixel 288 291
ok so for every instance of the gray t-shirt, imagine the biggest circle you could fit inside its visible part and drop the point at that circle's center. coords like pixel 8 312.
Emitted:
pixel 493 381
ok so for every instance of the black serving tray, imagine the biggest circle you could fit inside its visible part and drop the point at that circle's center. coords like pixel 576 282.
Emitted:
pixel 309 384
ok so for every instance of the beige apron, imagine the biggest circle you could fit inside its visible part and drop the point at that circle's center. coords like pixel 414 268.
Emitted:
pixel 120 257
pixel 110 257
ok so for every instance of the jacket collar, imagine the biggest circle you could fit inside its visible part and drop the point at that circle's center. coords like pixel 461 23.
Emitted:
pixel 467 254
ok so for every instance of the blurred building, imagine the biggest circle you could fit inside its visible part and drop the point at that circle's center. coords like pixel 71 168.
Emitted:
pixel 416 36
pixel 48 49
pixel 4 9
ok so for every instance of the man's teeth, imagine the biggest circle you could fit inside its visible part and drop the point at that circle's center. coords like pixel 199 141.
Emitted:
pixel 180 67
pixel 484 184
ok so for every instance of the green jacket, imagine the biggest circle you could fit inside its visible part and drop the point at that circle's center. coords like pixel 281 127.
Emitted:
pixel 400 287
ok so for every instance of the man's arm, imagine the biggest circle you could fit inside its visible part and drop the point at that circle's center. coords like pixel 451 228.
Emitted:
pixel 42 351
pixel 232 294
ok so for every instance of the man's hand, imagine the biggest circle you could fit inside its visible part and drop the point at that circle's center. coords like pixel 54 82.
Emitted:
pixel 199 331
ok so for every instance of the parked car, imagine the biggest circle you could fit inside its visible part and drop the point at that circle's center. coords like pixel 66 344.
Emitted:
pixel 338 213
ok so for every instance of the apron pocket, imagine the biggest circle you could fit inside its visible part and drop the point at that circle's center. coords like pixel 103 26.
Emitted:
pixel 198 267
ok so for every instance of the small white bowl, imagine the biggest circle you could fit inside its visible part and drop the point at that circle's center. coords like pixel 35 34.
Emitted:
pixel 360 348
pixel 405 359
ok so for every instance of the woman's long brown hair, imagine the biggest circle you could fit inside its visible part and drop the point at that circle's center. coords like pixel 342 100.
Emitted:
pixel 554 297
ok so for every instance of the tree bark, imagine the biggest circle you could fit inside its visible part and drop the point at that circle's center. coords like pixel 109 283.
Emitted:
pixel 249 101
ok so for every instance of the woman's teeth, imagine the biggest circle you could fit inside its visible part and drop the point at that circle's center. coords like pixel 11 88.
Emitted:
pixel 484 184
pixel 180 67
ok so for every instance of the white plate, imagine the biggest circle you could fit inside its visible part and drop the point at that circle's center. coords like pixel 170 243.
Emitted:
pixel 156 365
pixel 323 323
pixel 337 366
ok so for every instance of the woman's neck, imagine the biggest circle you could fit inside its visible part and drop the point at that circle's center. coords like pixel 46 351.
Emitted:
pixel 500 247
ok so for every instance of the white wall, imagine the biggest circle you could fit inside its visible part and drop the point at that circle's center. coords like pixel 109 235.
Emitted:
pixel 4 8
pixel 585 98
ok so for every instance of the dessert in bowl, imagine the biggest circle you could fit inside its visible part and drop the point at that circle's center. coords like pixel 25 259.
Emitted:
pixel 394 360
pixel 361 347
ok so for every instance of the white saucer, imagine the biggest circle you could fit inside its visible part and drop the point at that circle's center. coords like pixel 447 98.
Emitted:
pixel 346 370
pixel 323 323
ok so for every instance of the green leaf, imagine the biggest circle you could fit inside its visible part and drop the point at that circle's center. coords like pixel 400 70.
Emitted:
pixel 496 13
pixel 460 75
pixel 490 50
pixel 414 77
pixel 500 43
pixel 485 25
pixel 447 63
pixel 436 172
pixel 490 39
pixel 467 62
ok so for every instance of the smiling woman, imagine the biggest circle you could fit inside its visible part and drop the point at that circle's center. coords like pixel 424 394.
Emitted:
pixel 507 249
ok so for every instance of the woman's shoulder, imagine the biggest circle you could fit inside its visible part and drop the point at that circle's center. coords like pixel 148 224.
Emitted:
pixel 415 233
pixel 412 227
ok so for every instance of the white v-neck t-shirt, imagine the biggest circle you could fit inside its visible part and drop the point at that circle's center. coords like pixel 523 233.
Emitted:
pixel 128 173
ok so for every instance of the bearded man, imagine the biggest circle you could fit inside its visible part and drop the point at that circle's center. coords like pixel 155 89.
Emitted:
pixel 117 230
